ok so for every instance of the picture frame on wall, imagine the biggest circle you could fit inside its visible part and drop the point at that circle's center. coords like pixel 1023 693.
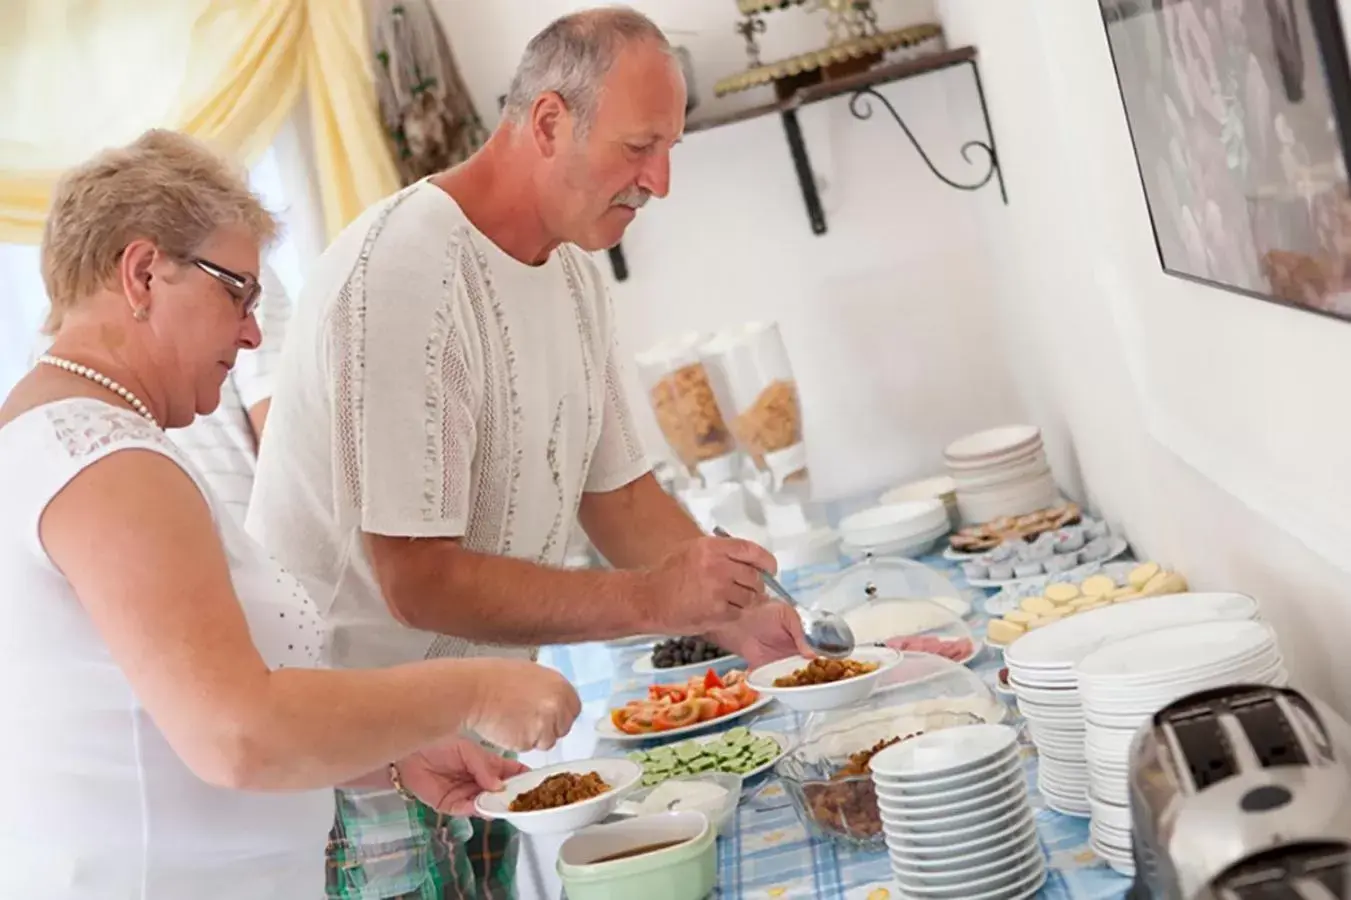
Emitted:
pixel 1239 113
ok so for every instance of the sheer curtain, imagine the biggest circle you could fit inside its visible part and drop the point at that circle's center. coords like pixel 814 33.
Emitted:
pixel 282 177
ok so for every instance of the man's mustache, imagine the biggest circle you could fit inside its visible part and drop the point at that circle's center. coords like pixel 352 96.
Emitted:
pixel 634 198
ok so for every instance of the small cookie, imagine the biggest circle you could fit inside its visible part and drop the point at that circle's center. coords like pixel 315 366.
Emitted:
pixel 1099 605
pixel 1097 586
pixel 1128 597
pixel 1039 606
pixel 1122 592
pixel 1140 575
pixel 1155 586
pixel 1174 584
pixel 1003 632
pixel 1061 593
pixel 1083 602
pixel 1019 616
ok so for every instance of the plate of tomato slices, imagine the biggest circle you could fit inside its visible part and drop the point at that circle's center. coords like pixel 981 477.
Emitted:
pixel 670 710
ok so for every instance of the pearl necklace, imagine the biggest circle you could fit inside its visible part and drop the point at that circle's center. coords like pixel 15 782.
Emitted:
pixel 103 381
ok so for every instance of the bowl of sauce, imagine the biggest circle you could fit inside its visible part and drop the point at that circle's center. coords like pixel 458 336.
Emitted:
pixel 668 856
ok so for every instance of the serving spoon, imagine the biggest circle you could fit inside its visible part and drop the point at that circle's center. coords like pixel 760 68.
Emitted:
pixel 827 633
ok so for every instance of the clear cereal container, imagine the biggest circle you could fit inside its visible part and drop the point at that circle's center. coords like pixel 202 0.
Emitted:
pixel 681 393
pixel 754 384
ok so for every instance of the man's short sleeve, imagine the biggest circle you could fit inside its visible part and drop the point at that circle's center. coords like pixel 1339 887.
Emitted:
pixel 405 396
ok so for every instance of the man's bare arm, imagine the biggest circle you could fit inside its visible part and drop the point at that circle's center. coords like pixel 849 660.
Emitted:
pixel 434 584
pixel 636 525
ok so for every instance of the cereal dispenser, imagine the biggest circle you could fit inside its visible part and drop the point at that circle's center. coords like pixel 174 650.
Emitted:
pixel 755 388
pixel 679 387
pixel 754 385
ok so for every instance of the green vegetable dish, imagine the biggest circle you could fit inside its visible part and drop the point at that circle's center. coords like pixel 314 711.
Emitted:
pixel 738 752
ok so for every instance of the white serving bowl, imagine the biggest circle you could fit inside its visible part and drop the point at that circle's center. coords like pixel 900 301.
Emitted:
pixel 819 697
pixel 893 523
pixel 621 775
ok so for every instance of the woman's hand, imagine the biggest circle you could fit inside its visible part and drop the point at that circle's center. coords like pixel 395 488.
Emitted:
pixel 449 776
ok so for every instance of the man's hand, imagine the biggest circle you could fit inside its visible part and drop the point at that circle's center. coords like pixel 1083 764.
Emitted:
pixel 705 585
pixel 449 776
pixel 763 634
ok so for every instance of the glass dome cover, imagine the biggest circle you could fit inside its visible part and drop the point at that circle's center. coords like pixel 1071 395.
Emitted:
pixel 889 579
pixel 825 775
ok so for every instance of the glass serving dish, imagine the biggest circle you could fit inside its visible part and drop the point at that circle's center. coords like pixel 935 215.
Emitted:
pixel 889 579
pixel 833 795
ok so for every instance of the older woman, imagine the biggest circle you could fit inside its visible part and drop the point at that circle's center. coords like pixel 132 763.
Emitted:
pixel 168 733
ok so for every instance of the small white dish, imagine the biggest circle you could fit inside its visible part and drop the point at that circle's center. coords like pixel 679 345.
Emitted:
pixel 995 810
pixel 947 752
pixel 988 770
pixel 818 697
pixel 620 774
pixel 926 816
pixel 924 804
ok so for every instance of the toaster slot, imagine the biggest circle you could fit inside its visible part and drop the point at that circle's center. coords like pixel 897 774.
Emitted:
pixel 1329 870
pixel 1204 745
pixel 1301 872
pixel 1268 731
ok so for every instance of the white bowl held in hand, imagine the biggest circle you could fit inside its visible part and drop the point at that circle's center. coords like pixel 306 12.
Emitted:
pixel 817 697
pixel 621 775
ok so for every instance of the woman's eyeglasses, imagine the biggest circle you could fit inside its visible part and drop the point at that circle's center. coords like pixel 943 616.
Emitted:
pixel 245 289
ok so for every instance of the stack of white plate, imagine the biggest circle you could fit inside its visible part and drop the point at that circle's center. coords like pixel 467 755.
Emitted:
pixel 1041 668
pixel 910 528
pixel 956 815
pixel 1125 682
pixel 939 487
pixel 1001 472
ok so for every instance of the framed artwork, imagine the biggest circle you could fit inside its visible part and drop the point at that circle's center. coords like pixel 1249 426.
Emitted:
pixel 1239 112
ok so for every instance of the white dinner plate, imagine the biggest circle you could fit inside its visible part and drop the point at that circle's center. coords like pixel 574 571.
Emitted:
pixel 607 730
pixel 1060 646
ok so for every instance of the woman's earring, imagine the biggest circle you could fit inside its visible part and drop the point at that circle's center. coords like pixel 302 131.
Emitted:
pixel 140 314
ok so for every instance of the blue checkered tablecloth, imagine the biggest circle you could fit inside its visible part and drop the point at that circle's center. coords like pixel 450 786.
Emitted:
pixel 767 852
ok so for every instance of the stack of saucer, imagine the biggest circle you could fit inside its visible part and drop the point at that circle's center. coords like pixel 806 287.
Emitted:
pixel 1001 472
pixel 1125 682
pixel 1042 675
pixel 956 815
pixel 909 528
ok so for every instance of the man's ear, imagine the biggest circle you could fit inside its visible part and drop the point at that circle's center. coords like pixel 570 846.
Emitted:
pixel 550 122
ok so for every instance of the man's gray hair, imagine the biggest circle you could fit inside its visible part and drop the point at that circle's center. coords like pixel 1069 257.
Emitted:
pixel 571 58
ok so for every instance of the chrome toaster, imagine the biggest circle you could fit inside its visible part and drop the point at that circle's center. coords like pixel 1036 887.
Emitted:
pixel 1241 793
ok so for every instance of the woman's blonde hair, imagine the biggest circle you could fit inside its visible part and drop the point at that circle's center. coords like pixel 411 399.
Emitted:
pixel 164 187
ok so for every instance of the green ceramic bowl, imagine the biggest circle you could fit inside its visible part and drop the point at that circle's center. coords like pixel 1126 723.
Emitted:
pixel 685 870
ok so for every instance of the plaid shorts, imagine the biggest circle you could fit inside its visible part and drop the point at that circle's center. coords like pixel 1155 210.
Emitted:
pixel 383 847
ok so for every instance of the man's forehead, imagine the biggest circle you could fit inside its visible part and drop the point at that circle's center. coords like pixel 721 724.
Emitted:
pixel 644 92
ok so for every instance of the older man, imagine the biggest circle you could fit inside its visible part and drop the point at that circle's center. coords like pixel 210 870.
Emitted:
pixel 451 401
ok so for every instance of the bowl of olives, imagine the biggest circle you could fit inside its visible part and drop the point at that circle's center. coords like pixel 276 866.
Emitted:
pixel 686 655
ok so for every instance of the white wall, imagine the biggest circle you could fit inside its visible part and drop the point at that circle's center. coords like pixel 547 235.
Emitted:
pixel 1211 426
pixel 889 318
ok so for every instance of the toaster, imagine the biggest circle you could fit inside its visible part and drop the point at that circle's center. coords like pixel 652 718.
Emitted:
pixel 1241 793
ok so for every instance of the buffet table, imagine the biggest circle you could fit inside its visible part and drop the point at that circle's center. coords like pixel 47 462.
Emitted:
pixel 768 853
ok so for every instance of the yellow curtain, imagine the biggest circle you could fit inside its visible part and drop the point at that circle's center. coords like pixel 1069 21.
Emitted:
pixel 79 75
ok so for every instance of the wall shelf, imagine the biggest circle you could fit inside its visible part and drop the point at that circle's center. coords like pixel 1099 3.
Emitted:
pixel 863 93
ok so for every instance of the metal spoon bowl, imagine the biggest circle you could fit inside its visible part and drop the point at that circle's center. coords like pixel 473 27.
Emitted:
pixel 827 633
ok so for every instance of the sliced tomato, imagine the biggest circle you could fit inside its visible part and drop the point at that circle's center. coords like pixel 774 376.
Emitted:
pixel 728 701
pixel 709 708
pixel 677 716
pixel 619 716
pixel 661 691
pixel 638 723
pixel 711 680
